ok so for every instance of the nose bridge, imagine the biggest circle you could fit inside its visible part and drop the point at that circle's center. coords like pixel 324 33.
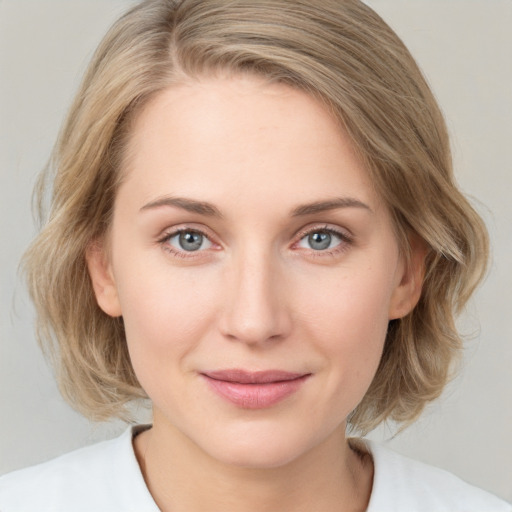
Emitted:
pixel 256 309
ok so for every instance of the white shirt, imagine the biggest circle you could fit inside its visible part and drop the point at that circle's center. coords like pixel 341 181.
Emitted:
pixel 106 477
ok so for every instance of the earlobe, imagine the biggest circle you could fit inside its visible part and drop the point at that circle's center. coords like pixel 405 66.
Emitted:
pixel 408 292
pixel 102 279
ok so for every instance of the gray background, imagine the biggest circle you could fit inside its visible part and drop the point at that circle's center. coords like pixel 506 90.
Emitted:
pixel 464 48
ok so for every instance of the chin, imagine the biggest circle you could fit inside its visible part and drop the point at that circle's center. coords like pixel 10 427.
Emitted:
pixel 259 448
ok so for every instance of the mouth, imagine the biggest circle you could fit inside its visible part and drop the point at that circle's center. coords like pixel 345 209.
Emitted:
pixel 254 390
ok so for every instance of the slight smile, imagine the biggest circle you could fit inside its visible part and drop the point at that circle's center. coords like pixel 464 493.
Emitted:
pixel 254 390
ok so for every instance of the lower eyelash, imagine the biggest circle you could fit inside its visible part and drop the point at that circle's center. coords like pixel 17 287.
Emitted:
pixel 180 254
pixel 174 252
pixel 346 241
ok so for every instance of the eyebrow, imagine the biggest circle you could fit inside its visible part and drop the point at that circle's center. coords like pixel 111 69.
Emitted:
pixel 190 205
pixel 208 209
pixel 329 204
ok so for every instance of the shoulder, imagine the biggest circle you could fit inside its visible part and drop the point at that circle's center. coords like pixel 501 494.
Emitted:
pixel 402 484
pixel 91 478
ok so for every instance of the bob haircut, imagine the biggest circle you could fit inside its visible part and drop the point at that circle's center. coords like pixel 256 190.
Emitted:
pixel 342 53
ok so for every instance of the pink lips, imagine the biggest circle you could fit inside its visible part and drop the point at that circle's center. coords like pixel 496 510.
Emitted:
pixel 254 390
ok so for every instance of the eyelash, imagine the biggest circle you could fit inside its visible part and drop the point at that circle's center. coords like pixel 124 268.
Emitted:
pixel 345 241
pixel 163 241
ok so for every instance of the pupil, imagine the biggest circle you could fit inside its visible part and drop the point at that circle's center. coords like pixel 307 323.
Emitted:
pixel 319 241
pixel 191 241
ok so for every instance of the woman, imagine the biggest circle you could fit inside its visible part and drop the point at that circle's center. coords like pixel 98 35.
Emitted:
pixel 253 224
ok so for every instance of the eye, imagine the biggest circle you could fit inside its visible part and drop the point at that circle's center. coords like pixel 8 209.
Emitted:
pixel 322 240
pixel 189 241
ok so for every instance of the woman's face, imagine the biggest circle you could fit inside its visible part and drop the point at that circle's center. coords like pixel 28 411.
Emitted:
pixel 254 266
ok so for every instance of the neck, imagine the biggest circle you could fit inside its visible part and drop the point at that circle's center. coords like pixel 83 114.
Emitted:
pixel 181 476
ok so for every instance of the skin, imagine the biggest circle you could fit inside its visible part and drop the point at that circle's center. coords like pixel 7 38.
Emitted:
pixel 257 294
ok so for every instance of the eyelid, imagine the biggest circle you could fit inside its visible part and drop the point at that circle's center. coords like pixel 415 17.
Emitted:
pixel 345 236
pixel 180 228
pixel 177 234
pixel 342 233
pixel 171 232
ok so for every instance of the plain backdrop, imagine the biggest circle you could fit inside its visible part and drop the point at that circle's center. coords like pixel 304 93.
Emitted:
pixel 465 50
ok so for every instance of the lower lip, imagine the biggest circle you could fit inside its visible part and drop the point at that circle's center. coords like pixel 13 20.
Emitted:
pixel 255 396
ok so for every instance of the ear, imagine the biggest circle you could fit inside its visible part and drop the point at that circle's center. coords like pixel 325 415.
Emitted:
pixel 408 291
pixel 103 282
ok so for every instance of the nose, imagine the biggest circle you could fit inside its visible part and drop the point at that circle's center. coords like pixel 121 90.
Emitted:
pixel 256 310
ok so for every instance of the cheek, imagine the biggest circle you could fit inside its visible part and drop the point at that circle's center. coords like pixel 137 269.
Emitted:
pixel 166 313
pixel 351 306
pixel 349 321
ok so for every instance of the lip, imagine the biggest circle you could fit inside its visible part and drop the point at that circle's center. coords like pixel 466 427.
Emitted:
pixel 254 390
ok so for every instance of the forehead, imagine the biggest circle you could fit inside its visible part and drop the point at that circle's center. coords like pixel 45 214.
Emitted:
pixel 223 137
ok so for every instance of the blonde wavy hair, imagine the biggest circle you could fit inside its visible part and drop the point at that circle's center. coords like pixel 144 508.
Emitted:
pixel 339 51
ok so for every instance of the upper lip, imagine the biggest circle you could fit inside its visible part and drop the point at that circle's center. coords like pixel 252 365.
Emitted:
pixel 253 377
